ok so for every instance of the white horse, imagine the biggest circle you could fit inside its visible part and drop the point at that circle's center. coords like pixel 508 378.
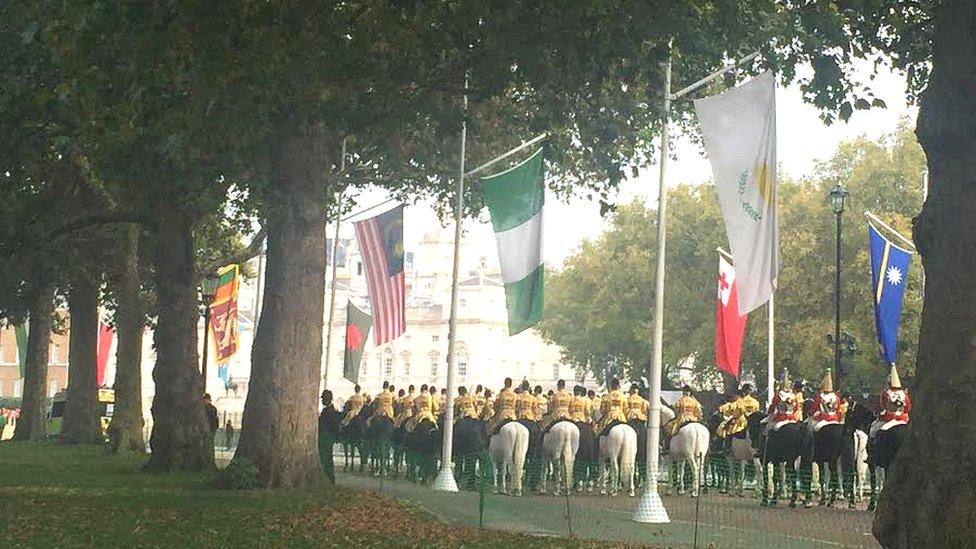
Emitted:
pixel 559 447
pixel 688 445
pixel 620 448
pixel 507 450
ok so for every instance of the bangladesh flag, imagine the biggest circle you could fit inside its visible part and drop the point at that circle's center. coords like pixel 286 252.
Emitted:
pixel 358 324
pixel 20 331
pixel 515 198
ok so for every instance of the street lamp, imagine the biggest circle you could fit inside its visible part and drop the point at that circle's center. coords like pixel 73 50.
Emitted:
pixel 838 196
pixel 208 288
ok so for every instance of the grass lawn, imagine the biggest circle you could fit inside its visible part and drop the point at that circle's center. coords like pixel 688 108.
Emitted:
pixel 59 496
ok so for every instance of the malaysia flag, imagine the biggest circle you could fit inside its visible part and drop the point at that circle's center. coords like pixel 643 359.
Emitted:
pixel 381 245
pixel 730 326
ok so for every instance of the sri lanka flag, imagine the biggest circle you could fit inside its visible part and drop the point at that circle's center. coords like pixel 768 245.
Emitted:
pixel 889 272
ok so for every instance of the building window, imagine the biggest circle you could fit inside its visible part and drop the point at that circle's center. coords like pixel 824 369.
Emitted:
pixel 462 365
pixel 555 372
pixel 435 338
pixel 435 361
pixel 464 303
pixel 359 268
pixel 406 364
pixel 388 365
pixel 19 388
pixel 52 388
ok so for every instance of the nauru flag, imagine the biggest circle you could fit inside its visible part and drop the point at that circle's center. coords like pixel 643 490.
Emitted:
pixel 730 326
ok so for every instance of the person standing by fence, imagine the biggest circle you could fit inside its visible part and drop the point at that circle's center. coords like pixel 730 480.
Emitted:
pixel 329 422
pixel 229 433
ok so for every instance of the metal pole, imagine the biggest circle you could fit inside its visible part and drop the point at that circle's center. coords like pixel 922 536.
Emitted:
pixel 650 508
pixel 837 369
pixel 890 229
pixel 507 154
pixel 206 343
pixel 335 271
pixel 445 478
pixel 771 351
pixel 688 89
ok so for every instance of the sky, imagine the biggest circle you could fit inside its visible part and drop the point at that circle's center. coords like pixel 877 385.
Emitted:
pixel 802 140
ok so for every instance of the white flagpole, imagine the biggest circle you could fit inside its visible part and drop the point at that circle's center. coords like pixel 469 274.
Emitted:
pixel 335 270
pixel 445 478
pixel 771 353
pixel 650 508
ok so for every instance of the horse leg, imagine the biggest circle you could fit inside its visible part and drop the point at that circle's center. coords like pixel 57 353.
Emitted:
pixel 834 482
pixel 791 480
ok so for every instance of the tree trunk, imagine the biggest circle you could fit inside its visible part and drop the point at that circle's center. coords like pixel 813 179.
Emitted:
pixel 279 426
pixel 929 498
pixel 82 423
pixel 31 425
pixel 125 432
pixel 181 438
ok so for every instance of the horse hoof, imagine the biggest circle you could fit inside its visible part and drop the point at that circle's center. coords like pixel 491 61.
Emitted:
pixel 694 495
pixel 631 494
pixel 792 505
pixel 851 505
pixel 808 504
pixel 872 506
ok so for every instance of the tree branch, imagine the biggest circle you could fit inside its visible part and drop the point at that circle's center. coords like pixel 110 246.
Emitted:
pixel 252 249
pixel 96 219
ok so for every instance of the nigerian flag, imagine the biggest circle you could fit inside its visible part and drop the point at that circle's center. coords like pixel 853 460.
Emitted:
pixel 515 198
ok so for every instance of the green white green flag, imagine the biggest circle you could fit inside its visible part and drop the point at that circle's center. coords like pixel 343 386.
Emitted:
pixel 515 198
pixel 20 331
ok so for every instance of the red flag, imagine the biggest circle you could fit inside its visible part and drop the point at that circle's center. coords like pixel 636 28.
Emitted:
pixel 730 327
pixel 105 336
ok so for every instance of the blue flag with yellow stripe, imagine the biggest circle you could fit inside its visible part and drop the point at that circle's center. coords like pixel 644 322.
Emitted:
pixel 889 273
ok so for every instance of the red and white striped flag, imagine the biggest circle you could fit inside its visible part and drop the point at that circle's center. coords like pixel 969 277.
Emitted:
pixel 381 245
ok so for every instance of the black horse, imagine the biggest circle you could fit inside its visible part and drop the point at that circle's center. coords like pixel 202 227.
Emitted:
pixel 785 445
pixel 422 446
pixel 641 428
pixel 859 418
pixel 533 458
pixel 828 444
pixel 379 436
pixel 717 466
pixel 469 447
pixel 353 438
pixel 882 451
pixel 585 468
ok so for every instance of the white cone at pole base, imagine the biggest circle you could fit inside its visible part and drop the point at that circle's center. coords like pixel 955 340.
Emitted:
pixel 445 480
pixel 650 509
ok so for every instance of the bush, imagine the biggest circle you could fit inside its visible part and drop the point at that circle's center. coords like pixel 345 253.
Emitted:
pixel 241 474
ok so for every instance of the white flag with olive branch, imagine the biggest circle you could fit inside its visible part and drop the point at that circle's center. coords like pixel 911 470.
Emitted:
pixel 739 127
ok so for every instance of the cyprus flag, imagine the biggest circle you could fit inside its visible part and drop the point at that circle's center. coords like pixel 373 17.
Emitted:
pixel 739 127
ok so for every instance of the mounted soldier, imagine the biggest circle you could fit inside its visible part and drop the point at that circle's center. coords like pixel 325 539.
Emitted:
pixel 787 405
pixel 686 409
pixel 558 406
pixel 504 407
pixel 737 412
pixel 894 405
pixel 613 408
pixel 826 405
pixel 353 405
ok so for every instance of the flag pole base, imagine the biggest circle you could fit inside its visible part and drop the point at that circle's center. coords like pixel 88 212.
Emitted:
pixel 445 480
pixel 650 509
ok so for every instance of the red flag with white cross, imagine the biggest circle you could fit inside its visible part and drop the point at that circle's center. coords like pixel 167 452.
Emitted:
pixel 730 326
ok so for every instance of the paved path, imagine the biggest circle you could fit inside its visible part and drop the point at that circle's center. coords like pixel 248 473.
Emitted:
pixel 722 521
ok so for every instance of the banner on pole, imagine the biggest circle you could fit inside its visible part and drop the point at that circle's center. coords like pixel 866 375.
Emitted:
pixel 106 334
pixel 223 313
pixel 889 272
pixel 730 326
pixel 739 128
pixel 515 200
pixel 358 324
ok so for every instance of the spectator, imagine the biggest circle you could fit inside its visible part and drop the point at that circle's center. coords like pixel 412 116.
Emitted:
pixel 211 417
pixel 229 432
pixel 329 421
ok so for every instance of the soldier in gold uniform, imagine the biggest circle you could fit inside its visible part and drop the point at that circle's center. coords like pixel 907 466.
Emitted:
pixel 422 410
pixel 464 405
pixel 383 405
pixel 504 407
pixel 353 405
pixel 406 407
pixel 737 412
pixel 558 406
pixel 613 408
pixel 686 409
pixel 487 407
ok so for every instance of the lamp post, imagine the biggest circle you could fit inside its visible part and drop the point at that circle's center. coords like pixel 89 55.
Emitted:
pixel 838 196
pixel 208 288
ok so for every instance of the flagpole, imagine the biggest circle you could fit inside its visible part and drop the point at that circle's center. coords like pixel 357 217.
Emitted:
pixel 335 270
pixel 771 350
pixel 650 508
pixel 445 478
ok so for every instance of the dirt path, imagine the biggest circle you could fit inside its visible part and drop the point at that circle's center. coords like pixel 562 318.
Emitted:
pixel 722 521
